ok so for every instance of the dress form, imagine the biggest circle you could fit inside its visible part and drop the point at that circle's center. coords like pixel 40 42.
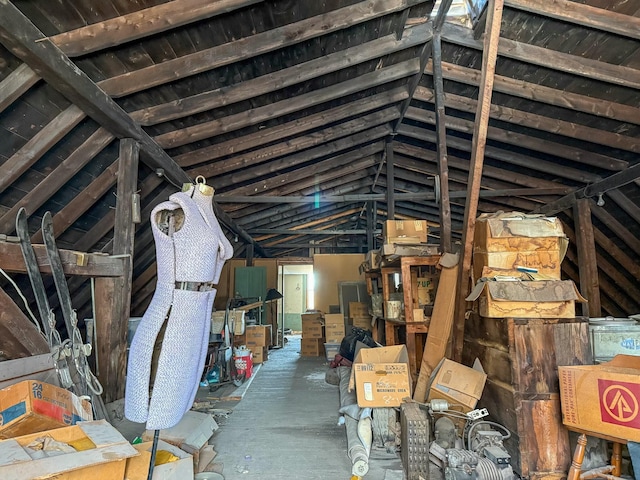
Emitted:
pixel 189 261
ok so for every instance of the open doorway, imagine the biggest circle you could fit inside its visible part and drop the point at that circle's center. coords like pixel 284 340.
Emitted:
pixel 297 286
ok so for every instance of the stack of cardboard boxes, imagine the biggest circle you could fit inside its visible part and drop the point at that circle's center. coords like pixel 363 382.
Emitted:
pixel 359 315
pixel 403 232
pixel 257 338
pixel 334 329
pixel 313 336
pixel 509 247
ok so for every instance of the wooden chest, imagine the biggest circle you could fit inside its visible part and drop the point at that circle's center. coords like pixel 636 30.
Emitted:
pixel 520 357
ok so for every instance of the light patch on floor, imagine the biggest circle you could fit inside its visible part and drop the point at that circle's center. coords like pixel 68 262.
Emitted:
pixel 318 379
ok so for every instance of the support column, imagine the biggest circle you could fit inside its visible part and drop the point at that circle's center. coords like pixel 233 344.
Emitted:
pixel 391 207
pixel 113 295
pixel 587 260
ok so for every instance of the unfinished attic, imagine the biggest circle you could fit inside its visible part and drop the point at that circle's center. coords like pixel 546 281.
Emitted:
pixel 208 205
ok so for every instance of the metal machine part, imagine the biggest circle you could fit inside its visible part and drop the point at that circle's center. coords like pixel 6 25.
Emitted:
pixel 414 441
pixel 445 433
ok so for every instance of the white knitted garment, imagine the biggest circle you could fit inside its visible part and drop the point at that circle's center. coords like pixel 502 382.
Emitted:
pixel 194 253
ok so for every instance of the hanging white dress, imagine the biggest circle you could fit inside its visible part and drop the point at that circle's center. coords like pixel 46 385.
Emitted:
pixel 189 262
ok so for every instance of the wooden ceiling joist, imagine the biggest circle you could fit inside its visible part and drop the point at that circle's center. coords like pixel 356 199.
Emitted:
pixel 140 24
pixel 280 79
pixel 38 145
pixel 583 15
pixel 15 84
pixel 540 93
pixel 29 44
pixel 544 57
pixel 250 47
pixel 294 127
pixel 258 115
pixel 58 177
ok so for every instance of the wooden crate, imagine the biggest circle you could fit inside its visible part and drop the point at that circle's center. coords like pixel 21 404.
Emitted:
pixel 520 357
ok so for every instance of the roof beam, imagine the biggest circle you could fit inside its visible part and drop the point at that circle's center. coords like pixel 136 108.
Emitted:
pixel 540 93
pixel 581 14
pixel 279 79
pixel 289 129
pixel 544 57
pixel 258 115
pixel 24 40
pixel 142 23
pixel 252 46
pixel 15 84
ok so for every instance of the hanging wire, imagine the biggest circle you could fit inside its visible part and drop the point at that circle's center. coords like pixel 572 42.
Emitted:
pixel 26 304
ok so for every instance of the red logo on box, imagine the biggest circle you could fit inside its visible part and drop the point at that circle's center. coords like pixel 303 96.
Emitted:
pixel 619 403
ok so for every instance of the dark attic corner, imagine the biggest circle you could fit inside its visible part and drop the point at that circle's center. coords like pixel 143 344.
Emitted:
pixel 342 239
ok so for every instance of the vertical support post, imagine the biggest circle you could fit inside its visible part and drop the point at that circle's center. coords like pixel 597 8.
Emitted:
pixel 370 225
pixel 489 56
pixel 249 254
pixel 441 130
pixel 113 300
pixel 587 261
pixel 391 207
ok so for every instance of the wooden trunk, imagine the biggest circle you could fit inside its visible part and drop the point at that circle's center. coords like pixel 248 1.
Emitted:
pixel 520 357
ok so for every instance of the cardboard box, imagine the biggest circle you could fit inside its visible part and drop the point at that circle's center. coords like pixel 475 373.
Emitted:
pixel 259 354
pixel 604 398
pixel 512 239
pixel 358 309
pixel 334 332
pixel 312 325
pixel 258 335
pixel 457 384
pixel 405 231
pixel 362 322
pixel 372 259
pixel 32 406
pixel 138 467
pixel 312 347
pixel 380 376
pixel 190 434
pixel 526 299
pixel 102 456
pixel 240 339
pixel 333 319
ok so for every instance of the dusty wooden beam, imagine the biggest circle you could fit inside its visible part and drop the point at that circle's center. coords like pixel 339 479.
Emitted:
pixel 19 337
pixel 279 79
pixel 73 263
pixel 71 165
pixel 38 145
pixel 142 23
pixel 29 44
pixel 15 84
pixel 113 319
pixel 390 196
pixel 544 57
pixel 295 127
pixel 441 145
pixel 588 263
pixel 540 93
pixel 582 14
pixel 258 115
pixel 490 53
pixel 251 46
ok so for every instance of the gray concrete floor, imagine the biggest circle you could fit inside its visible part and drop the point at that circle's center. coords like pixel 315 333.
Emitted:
pixel 285 426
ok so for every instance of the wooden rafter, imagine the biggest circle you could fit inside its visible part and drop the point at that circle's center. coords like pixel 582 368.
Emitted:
pixel 544 57
pixel 15 84
pixel 140 24
pixel 280 79
pixel 29 44
pixel 257 115
pixel 249 47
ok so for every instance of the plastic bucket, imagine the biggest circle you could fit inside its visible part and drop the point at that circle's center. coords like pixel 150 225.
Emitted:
pixel 243 361
pixel 393 309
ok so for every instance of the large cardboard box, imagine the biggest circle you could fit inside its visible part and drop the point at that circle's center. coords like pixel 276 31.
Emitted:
pixel 333 319
pixel 32 406
pixel 458 384
pixel 358 309
pixel 258 335
pixel 515 239
pixel 334 332
pixel 312 347
pixel 603 399
pixel 362 322
pixel 405 231
pixel 138 467
pixel 259 354
pixel 312 325
pixel 528 299
pixel 380 376
pixel 101 453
